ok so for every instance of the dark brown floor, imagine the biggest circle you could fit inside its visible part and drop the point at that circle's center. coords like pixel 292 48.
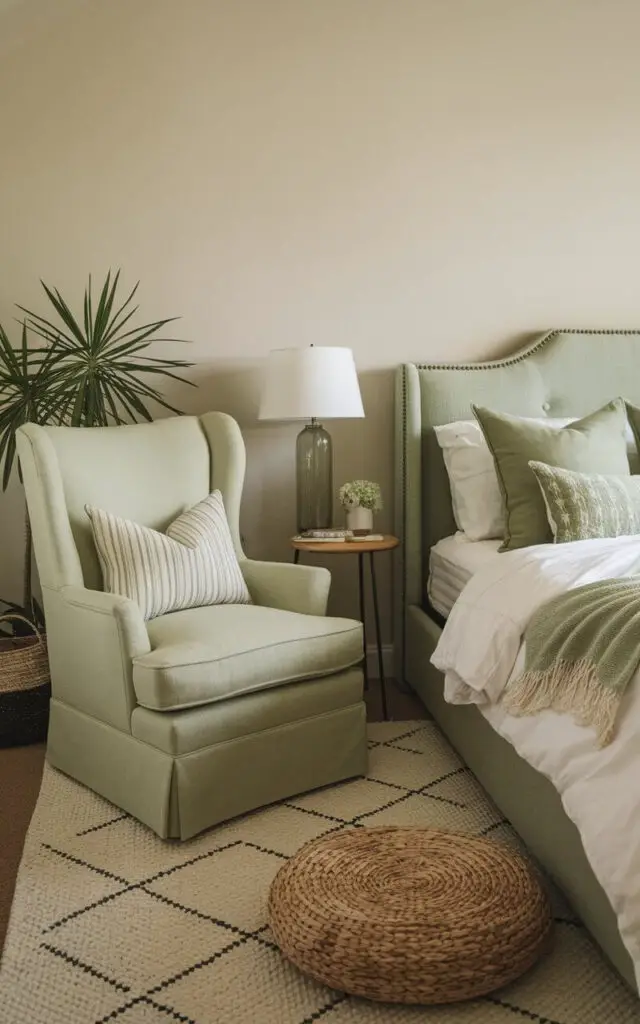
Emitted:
pixel 401 706
pixel 21 771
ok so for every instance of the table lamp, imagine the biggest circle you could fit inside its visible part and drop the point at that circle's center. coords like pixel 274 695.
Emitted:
pixel 314 383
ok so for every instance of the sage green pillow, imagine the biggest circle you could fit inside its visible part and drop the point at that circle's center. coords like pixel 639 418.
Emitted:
pixel 594 444
pixel 633 415
pixel 581 506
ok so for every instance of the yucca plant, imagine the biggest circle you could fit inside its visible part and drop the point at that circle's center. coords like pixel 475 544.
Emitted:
pixel 86 371
pixel 96 381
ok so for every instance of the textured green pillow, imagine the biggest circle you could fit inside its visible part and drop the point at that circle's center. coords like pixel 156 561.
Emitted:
pixel 581 506
pixel 595 444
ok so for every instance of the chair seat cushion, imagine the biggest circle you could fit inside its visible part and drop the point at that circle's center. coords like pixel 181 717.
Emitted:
pixel 203 655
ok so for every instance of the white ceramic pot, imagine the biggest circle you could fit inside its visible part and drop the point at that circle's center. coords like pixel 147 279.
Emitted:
pixel 360 520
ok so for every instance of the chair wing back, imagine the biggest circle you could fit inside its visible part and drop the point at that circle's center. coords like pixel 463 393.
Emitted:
pixel 149 472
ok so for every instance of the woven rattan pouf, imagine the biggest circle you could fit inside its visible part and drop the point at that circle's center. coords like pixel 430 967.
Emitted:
pixel 407 915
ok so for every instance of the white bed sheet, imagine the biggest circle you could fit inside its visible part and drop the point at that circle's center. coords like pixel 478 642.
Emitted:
pixel 452 563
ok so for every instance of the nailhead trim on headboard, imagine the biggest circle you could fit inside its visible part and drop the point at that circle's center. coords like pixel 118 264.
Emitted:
pixel 518 357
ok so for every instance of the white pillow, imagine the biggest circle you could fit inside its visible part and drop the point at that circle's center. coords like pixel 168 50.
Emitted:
pixel 475 492
pixel 193 564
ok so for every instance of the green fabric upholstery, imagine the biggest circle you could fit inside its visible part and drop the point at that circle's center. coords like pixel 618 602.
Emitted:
pixel 282 585
pixel 202 655
pixel 269 765
pixel 181 732
pixel 155 472
pixel 92 640
pixel 595 444
pixel 252 739
pixel 178 796
pixel 633 416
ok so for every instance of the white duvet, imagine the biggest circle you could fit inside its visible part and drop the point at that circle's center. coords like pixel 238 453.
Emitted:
pixel 481 648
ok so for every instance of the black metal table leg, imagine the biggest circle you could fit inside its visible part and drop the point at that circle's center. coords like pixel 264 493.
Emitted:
pixel 296 556
pixel 376 615
pixel 362 615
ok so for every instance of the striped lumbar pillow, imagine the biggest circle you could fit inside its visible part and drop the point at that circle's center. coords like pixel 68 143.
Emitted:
pixel 193 564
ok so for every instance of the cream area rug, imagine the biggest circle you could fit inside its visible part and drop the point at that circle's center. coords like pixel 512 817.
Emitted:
pixel 110 923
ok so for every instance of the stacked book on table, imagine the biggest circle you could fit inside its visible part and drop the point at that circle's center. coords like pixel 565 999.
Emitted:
pixel 335 535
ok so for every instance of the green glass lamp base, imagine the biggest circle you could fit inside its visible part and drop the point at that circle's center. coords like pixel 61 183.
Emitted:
pixel 314 478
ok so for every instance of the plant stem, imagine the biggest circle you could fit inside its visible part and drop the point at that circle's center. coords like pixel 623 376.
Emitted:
pixel 27 592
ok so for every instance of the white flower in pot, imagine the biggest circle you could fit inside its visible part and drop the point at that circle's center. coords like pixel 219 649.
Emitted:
pixel 360 499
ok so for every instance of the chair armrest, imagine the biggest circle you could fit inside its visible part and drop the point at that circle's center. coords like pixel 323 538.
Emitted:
pixel 92 638
pixel 293 588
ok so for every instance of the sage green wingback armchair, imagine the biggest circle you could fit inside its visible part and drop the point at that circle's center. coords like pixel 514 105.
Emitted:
pixel 200 715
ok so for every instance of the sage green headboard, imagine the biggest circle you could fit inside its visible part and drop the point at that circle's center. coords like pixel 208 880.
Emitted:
pixel 562 373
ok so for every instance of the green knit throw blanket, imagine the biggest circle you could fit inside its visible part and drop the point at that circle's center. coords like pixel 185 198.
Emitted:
pixel 582 650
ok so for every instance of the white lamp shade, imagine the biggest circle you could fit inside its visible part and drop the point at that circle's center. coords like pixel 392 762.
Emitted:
pixel 318 382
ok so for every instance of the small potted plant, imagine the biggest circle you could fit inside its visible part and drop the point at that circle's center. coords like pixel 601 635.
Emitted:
pixel 360 499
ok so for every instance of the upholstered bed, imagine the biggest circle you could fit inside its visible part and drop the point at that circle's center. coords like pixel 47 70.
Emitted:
pixel 565 373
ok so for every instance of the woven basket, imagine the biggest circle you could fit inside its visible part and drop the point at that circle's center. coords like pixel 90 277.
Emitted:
pixel 408 915
pixel 25 688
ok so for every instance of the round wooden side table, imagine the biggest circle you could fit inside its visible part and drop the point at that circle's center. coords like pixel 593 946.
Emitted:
pixel 359 548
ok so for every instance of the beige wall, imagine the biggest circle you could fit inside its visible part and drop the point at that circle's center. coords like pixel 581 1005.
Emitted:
pixel 412 178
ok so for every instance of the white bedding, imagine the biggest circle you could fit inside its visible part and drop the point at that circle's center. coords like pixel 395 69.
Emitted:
pixel 452 563
pixel 481 648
